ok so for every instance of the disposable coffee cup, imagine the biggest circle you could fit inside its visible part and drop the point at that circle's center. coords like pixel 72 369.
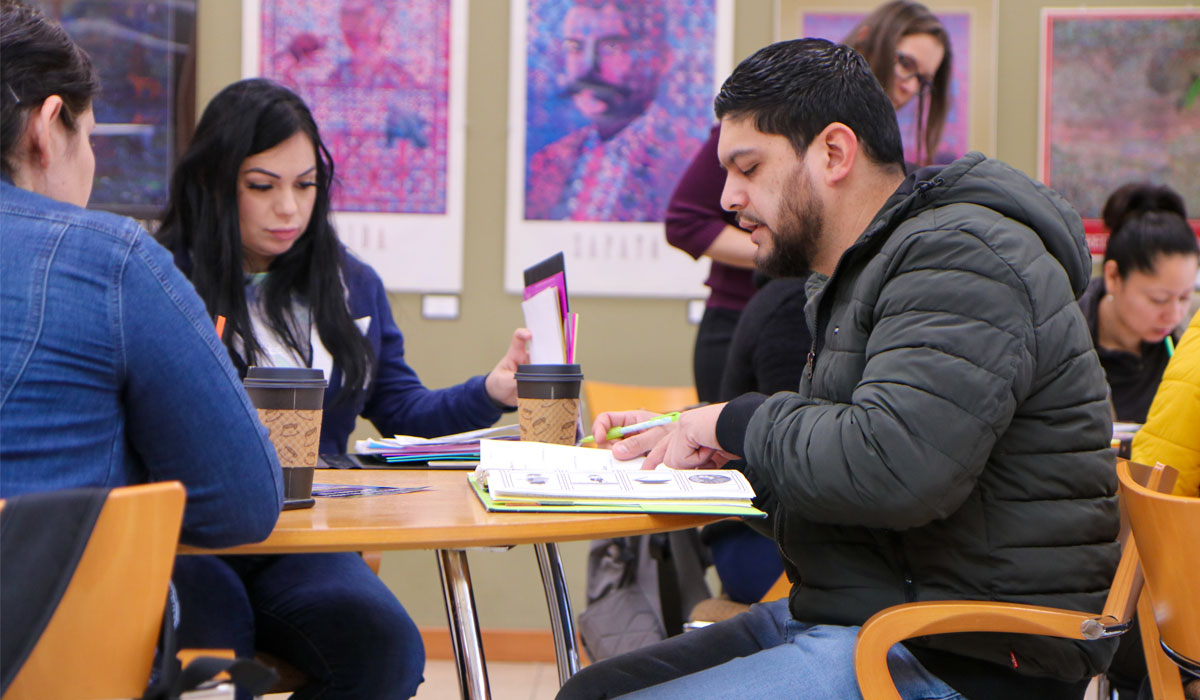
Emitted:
pixel 289 401
pixel 548 403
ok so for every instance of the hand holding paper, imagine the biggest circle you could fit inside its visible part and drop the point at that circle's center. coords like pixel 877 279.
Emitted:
pixel 500 383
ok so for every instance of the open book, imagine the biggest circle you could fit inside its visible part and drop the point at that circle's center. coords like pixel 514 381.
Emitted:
pixel 539 476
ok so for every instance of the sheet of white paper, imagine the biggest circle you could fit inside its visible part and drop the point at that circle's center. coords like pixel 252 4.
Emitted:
pixel 387 444
pixel 508 454
pixel 543 319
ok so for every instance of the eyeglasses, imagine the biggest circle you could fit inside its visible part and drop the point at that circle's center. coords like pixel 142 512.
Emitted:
pixel 906 68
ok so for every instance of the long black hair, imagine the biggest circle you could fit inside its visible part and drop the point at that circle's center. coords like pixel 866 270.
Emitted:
pixel 201 227
pixel 40 60
pixel 1145 221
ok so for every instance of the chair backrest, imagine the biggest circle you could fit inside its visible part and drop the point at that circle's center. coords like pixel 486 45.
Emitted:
pixel 1127 584
pixel 101 639
pixel 1167 529
pixel 599 397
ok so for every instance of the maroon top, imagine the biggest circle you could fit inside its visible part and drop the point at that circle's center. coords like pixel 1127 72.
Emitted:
pixel 695 217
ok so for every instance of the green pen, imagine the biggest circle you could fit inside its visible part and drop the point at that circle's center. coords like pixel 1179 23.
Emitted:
pixel 1170 342
pixel 621 431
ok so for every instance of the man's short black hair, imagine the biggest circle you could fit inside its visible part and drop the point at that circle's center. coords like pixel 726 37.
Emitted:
pixel 797 88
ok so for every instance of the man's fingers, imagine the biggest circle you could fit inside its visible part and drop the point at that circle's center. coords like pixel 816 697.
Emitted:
pixel 637 445
pixel 655 456
pixel 611 419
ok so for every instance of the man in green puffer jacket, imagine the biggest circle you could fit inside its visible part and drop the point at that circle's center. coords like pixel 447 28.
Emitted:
pixel 949 438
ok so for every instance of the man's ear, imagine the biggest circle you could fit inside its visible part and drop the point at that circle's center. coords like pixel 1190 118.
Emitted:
pixel 40 130
pixel 839 146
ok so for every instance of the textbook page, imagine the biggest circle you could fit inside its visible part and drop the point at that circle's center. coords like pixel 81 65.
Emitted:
pixel 542 470
pixel 511 454
pixel 658 484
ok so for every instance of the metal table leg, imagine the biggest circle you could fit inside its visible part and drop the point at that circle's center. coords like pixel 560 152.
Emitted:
pixel 464 624
pixel 558 601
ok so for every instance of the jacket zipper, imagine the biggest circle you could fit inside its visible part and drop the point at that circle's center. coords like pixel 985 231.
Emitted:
pixel 910 588
pixel 922 189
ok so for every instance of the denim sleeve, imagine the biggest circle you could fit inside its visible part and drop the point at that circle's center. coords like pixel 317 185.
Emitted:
pixel 400 404
pixel 188 417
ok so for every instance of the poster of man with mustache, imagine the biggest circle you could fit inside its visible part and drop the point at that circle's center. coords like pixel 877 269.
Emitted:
pixel 616 99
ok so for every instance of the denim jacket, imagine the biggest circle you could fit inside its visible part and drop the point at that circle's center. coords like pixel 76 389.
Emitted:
pixel 111 373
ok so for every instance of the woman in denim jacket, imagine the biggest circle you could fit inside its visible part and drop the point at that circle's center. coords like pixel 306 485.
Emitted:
pixel 111 371
pixel 248 222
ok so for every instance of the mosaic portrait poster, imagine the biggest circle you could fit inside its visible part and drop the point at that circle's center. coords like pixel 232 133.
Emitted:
pixel 1120 102
pixel 385 82
pixel 140 50
pixel 609 100
pixel 836 26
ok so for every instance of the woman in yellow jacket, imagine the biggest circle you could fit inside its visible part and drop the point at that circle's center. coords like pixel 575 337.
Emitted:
pixel 1171 434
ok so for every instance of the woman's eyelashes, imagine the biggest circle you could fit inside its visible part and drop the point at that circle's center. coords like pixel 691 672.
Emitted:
pixel 263 186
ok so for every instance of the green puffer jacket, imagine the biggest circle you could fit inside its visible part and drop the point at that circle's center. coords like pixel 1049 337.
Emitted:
pixel 954 442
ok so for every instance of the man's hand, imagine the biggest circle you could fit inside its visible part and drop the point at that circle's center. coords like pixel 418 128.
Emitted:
pixel 689 443
pixel 606 421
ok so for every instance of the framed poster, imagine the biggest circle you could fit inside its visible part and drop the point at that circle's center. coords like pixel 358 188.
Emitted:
pixel 608 102
pixel 1120 102
pixel 970 124
pixel 385 80
pixel 144 54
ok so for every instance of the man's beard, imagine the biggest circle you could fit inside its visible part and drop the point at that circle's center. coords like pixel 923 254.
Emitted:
pixel 797 236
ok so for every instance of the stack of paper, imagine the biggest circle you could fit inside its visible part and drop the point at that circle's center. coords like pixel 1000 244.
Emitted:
pixel 548 315
pixel 457 447
pixel 532 476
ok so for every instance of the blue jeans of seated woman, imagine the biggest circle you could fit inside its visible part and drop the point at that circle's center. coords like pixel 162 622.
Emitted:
pixel 328 615
pixel 761 654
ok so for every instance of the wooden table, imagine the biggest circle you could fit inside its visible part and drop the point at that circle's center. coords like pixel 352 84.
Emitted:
pixel 448 518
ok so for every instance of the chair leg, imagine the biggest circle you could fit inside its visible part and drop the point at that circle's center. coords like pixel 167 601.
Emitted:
pixel 373 557
pixel 1164 674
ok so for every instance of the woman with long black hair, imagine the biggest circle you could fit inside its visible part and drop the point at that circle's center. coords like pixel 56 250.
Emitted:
pixel 248 223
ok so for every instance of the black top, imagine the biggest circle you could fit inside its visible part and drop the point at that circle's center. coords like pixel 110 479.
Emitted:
pixel 771 342
pixel 1132 379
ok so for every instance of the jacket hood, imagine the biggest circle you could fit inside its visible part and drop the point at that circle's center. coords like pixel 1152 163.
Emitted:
pixel 976 179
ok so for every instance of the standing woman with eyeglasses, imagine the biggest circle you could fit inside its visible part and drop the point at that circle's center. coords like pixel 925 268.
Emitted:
pixel 908 50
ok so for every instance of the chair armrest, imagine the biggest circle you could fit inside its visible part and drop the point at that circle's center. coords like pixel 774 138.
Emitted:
pixel 186 656
pixel 895 624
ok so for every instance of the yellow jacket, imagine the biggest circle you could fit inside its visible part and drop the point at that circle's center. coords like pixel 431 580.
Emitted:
pixel 1171 434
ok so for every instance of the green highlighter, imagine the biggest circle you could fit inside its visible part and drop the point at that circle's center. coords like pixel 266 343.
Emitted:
pixel 621 431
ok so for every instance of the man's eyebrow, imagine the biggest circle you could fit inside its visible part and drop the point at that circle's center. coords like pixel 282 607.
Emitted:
pixel 728 161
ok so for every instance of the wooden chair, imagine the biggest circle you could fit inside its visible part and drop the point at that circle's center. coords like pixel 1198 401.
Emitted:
pixel 1167 529
pixel 897 623
pixel 722 608
pixel 599 397
pixel 101 639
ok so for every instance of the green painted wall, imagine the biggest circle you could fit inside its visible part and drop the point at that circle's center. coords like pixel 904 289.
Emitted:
pixel 638 341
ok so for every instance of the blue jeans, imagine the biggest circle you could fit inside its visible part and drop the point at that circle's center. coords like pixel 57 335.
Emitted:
pixel 328 615
pixel 762 653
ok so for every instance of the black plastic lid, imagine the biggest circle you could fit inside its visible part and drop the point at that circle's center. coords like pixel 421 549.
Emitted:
pixel 549 371
pixel 285 377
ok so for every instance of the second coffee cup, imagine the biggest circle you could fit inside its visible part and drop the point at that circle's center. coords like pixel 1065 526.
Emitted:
pixel 289 402
pixel 548 402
